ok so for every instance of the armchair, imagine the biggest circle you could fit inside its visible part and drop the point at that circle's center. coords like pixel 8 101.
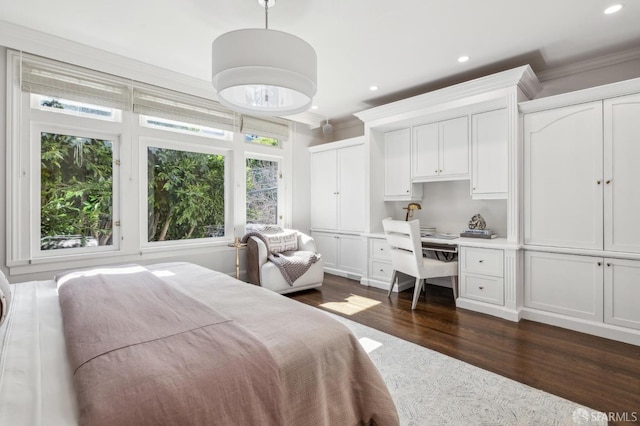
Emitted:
pixel 261 271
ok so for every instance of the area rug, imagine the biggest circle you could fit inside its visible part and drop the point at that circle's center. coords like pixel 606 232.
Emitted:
pixel 430 388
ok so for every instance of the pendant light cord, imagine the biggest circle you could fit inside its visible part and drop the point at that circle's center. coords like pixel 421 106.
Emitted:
pixel 266 14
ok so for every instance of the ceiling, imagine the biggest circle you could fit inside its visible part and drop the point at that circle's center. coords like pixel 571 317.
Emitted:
pixel 404 47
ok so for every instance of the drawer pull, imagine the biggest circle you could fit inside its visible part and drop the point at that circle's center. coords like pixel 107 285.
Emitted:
pixel 480 261
pixel 599 263
pixel 608 264
pixel 481 288
pixel 381 270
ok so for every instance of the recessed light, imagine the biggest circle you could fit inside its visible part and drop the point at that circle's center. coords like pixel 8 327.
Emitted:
pixel 314 106
pixel 612 9
pixel 462 59
pixel 373 88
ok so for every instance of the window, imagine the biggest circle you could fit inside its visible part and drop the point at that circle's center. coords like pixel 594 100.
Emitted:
pixel 263 191
pixel 186 194
pixel 76 191
pixel 105 167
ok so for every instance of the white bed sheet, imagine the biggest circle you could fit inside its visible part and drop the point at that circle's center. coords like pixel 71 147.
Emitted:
pixel 36 386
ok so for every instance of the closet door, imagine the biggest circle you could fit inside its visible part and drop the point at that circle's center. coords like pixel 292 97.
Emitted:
pixel 563 177
pixel 622 174
pixel 351 190
pixel 324 190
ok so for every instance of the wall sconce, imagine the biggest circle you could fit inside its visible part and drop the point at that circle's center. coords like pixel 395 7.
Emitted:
pixel 410 208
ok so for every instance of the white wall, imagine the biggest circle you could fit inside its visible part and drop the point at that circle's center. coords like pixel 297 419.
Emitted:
pixel 449 207
pixel 3 160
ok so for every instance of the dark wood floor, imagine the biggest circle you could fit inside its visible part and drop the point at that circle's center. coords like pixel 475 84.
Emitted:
pixel 596 372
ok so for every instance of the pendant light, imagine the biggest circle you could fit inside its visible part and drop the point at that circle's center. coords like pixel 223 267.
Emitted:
pixel 263 71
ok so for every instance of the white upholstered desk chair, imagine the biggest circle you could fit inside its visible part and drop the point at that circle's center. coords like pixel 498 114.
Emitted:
pixel 406 257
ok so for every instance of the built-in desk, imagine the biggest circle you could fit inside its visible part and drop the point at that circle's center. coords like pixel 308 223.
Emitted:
pixel 486 271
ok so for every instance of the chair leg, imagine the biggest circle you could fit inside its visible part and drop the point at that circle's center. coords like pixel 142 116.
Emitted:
pixel 394 277
pixel 454 285
pixel 416 293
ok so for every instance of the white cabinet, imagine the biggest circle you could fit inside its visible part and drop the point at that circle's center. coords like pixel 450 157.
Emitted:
pixel 563 177
pixel 481 274
pixel 585 287
pixel 489 154
pixel 564 284
pixel 338 188
pixel 581 188
pixel 440 151
pixel 397 167
pixel 622 292
pixel 338 204
pixel 343 254
pixel 621 177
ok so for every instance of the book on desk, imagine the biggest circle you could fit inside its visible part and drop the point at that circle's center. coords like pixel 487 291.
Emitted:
pixel 478 233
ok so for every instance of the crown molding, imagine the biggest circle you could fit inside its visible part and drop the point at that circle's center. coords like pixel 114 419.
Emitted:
pixel 467 92
pixel 590 64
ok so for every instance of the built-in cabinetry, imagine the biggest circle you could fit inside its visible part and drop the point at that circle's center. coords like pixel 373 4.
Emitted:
pixel 581 198
pixel 343 254
pixel 440 150
pixel 338 204
pixel 481 274
pixel 489 154
pixel 398 185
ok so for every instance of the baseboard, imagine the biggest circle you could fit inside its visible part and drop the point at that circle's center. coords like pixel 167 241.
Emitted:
pixel 341 273
pixel 600 329
pixel 402 285
pixel 489 309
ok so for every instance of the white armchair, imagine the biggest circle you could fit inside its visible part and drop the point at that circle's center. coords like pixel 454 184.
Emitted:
pixel 263 272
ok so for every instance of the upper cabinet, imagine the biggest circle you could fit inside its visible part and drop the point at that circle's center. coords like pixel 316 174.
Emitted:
pixel 338 186
pixel 489 154
pixel 581 175
pixel 397 167
pixel 440 151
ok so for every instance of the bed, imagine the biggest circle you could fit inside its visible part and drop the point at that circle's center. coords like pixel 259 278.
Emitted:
pixel 272 360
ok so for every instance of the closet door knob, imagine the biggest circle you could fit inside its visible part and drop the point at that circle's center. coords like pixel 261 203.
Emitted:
pixel 608 181
pixel 608 264
pixel 598 182
pixel 599 263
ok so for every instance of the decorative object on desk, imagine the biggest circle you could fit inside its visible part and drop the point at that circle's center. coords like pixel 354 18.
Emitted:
pixel 477 222
pixel 410 208
pixel 237 245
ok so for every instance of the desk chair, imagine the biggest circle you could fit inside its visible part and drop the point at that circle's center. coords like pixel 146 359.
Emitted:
pixel 406 257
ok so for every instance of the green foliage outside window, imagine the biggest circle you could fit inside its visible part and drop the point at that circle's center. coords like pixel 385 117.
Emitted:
pixel 185 194
pixel 76 191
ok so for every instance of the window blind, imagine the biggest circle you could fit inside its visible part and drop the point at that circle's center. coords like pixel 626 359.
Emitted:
pixel 74 83
pixel 272 128
pixel 180 107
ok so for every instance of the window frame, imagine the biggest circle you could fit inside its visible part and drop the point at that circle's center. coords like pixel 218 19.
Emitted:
pixel 37 128
pixel 198 146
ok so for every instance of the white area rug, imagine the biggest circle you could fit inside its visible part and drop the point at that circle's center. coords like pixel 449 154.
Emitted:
pixel 434 389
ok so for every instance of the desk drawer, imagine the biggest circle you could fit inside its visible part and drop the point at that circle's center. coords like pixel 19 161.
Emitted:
pixel 380 250
pixel 482 288
pixel 482 261
pixel 381 270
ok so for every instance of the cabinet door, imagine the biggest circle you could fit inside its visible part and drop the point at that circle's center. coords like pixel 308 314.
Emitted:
pixel 424 151
pixel 566 284
pixel 397 171
pixel 327 246
pixel 454 147
pixel 489 154
pixel 324 192
pixel 622 174
pixel 351 188
pixel 351 253
pixel 622 292
pixel 563 177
